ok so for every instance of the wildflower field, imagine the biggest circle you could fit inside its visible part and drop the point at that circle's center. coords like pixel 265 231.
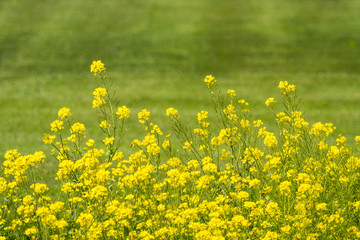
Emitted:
pixel 157 49
pixel 230 178
pixel 152 147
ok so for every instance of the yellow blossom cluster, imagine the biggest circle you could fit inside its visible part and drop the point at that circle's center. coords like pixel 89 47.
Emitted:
pixel 232 179
pixel 123 112
pixel 286 88
pixel 64 113
pixel 97 67
pixel 99 95
pixel 210 81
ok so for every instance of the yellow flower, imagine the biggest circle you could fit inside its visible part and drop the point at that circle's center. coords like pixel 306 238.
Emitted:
pixel 270 140
pixel 343 179
pixel 321 226
pixel 254 182
pixel 249 204
pixel 57 125
pixel 64 113
pixel 118 156
pixel 272 208
pixel 241 220
pixel 271 236
pixel 156 129
pixel 48 139
pixel 85 219
pixel 31 231
pixel 108 140
pixel 99 94
pixel 102 175
pixel 286 229
pixel 304 187
pixel 104 124
pixel 204 182
pixel 60 224
pixel 318 127
pixel 98 191
pixel 285 87
pixel 229 109
pixel 43 212
pixel 75 200
pixel 123 112
pixel 188 145
pixel 257 123
pixel 56 206
pixel 201 116
pixel 281 117
pixel 174 161
pixel 39 188
pixel 321 206
pixel 270 101
pixel 242 195
pixel 72 138
pixel 171 112
pixel 90 142
pixel 284 188
pixel 210 168
pixel 97 67
pixel 166 144
pixel 3 185
pixel 216 141
pixel 161 207
pixel 143 116
pixel 78 128
pixel 210 81
pixel 231 92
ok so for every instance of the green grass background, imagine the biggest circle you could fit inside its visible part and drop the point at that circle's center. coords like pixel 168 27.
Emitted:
pixel 157 53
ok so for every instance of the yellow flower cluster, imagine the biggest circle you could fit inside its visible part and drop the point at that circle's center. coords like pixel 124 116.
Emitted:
pixel 270 101
pixel 64 113
pixel 99 95
pixel 231 93
pixel 57 125
pixel 286 88
pixel 123 112
pixel 143 116
pixel 243 183
pixel 171 112
pixel 97 67
pixel 210 81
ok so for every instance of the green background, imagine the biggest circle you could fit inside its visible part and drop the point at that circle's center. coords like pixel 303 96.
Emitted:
pixel 157 54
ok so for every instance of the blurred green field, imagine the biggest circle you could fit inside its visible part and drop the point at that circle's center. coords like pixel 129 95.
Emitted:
pixel 158 52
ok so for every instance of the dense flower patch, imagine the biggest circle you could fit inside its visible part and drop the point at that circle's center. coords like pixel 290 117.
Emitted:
pixel 233 179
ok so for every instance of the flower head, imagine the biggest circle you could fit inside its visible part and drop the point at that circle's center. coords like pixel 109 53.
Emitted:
pixel 99 94
pixel 231 93
pixel 171 112
pixel 270 101
pixel 143 116
pixel 64 113
pixel 48 139
pixel 39 188
pixel 210 81
pixel 108 140
pixel 285 87
pixel 123 112
pixel 57 125
pixel 97 67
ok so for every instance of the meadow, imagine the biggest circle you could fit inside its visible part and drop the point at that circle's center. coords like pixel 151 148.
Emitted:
pixel 158 53
pixel 228 179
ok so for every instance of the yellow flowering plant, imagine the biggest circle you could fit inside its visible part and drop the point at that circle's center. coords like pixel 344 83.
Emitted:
pixel 226 179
